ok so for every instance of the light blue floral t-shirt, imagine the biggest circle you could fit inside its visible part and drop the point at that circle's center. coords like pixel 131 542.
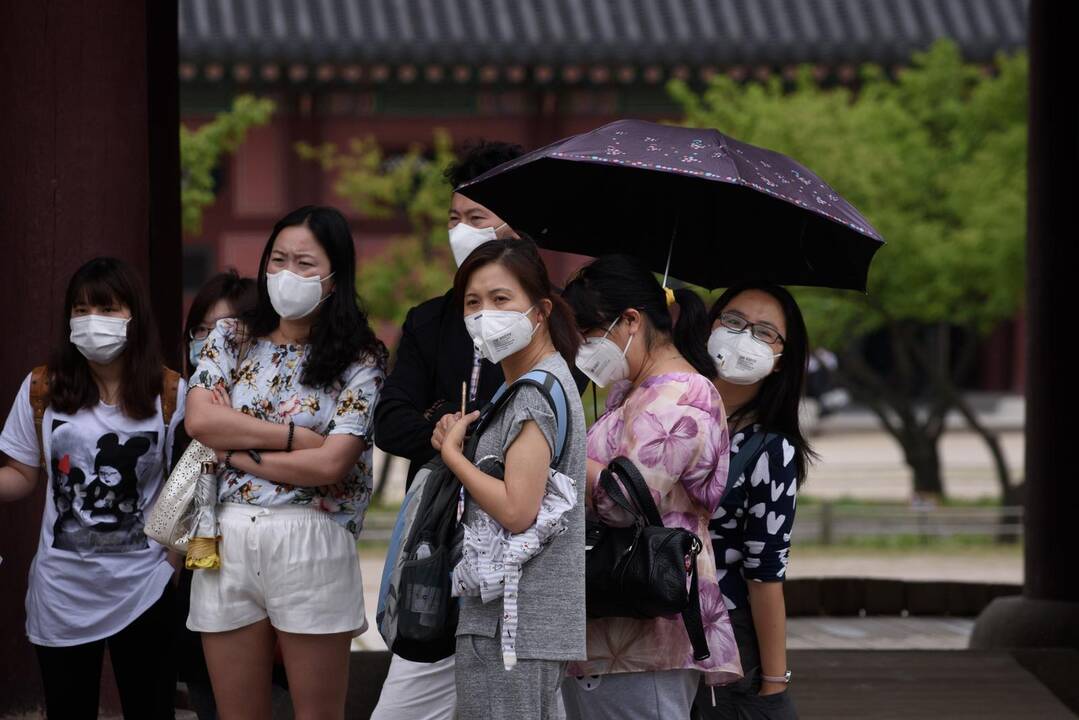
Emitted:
pixel 263 381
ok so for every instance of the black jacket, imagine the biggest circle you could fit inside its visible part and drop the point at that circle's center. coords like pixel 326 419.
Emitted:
pixel 433 358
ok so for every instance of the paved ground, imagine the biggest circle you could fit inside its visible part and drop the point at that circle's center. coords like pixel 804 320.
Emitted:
pixel 893 685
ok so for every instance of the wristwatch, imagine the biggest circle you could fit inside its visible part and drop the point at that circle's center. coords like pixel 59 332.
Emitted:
pixel 785 678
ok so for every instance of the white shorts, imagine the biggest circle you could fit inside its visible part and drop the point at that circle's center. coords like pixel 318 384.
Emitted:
pixel 292 564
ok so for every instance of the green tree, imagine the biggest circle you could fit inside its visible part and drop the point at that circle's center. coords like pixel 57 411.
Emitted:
pixel 936 159
pixel 418 265
pixel 201 151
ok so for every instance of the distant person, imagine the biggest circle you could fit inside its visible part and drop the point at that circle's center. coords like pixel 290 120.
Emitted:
pixel 98 423
pixel 434 356
pixel 760 347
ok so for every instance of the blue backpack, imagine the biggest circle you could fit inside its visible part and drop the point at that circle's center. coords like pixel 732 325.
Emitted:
pixel 417 616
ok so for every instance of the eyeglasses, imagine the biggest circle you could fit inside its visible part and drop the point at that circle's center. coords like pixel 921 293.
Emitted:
pixel 201 332
pixel 764 333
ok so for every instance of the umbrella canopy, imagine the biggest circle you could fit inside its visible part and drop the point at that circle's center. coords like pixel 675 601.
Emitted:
pixel 726 211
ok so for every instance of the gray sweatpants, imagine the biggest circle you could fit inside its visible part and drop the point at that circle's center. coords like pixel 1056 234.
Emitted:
pixel 660 695
pixel 487 691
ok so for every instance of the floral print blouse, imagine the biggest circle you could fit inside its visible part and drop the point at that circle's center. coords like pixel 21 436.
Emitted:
pixel 674 429
pixel 265 384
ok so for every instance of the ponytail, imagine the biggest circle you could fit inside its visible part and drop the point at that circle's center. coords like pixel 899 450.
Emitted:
pixel 602 290
pixel 563 330
pixel 690 333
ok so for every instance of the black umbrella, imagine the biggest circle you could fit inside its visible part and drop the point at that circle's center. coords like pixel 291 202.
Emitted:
pixel 720 210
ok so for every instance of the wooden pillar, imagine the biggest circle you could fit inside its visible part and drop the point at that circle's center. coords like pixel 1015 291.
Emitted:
pixel 89 141
pixel 1048 612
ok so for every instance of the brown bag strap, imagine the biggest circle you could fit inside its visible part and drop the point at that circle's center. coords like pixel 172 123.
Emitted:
pixel 170 385
pixel 39 401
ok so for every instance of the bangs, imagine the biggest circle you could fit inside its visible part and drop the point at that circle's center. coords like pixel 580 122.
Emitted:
pixel 98 291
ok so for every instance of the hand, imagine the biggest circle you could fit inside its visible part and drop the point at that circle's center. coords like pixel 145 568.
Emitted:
pixel 337 490
pixel 221 396
pixel 454 439
pixel 442 427
pixel 306 439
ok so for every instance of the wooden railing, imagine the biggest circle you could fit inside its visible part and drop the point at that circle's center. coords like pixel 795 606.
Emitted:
pixel 827 523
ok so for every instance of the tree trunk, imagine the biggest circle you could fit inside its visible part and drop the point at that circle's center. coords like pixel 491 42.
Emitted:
pixel 922 455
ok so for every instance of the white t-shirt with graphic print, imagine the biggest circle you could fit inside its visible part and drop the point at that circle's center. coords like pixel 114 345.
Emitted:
pixel 95 571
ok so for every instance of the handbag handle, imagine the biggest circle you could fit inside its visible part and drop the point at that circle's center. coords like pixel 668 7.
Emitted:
pixel 624 469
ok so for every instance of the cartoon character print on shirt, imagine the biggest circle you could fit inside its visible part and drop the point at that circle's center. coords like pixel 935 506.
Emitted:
pixel 96 490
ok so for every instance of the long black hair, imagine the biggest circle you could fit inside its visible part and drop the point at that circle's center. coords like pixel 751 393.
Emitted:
pixel 108 281
pixel 340 334
pixel 521 257
pixel 776 404
pixel 608 286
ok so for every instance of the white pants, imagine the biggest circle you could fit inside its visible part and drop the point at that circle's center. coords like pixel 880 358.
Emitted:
pixel 418 691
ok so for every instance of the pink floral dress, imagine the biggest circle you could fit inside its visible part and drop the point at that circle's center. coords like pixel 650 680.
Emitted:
pixel 674 429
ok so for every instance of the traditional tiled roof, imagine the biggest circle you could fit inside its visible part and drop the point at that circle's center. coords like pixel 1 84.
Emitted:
pixel 307 39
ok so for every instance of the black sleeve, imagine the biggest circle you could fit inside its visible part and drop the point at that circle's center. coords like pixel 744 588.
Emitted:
pixel 401 427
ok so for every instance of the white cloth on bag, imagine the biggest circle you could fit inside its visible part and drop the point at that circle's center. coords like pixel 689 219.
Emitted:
pixel 418 691
pixel 492 556
pixel 94 571
pixel 292 563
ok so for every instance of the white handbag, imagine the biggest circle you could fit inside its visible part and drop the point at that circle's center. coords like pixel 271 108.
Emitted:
pixel 172 518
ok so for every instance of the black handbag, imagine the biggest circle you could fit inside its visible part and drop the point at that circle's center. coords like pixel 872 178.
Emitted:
pixel 645 570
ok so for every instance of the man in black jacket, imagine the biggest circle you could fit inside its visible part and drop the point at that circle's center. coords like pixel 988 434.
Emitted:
pixel 434 357
pixel 436 354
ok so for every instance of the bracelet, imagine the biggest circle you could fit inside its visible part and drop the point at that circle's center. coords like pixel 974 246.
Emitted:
pixel 254 455
pixel 228 460
pixel 785 678
pixel 291 433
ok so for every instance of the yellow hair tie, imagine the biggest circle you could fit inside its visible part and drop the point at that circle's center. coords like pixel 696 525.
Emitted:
pixel 670 296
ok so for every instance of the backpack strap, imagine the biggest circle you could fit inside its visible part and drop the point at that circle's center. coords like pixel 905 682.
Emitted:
pixel 551 388
pixel 170 386
pixel 39 401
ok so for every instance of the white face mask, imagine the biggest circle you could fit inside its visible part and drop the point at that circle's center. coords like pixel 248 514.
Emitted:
pixel 601 360
pixel 464 239
pixel 294 296
pixel 99 338
pixel 500 333
pixel 740 358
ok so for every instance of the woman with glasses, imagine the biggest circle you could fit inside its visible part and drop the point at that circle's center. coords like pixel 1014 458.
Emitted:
pixel 760 348
pixel 225 295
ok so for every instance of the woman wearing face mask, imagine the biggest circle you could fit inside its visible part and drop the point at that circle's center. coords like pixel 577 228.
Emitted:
pixel 285 396
pixel 664 414
pixel 517 321
pixel 759 346
pixel 225 295
pixel 105 413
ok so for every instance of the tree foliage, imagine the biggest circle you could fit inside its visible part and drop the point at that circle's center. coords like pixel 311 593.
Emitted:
pixel 202 149
pixel 936 159
pixel 415 266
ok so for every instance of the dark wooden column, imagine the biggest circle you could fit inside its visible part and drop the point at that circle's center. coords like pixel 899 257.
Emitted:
pixel 1048 612
pixel 89 141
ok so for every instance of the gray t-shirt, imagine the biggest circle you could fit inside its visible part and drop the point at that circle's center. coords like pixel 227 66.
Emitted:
pixel 550 610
